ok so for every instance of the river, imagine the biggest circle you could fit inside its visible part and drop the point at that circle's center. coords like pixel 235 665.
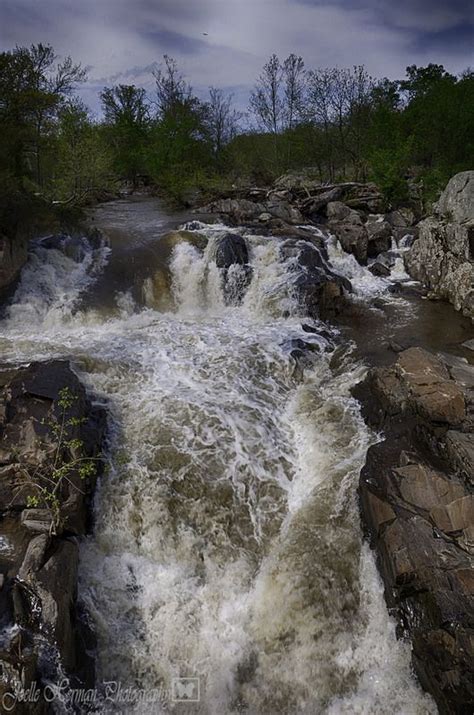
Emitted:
pixel 227 546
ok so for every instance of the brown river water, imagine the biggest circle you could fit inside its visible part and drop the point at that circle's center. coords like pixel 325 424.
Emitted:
pixel 227 560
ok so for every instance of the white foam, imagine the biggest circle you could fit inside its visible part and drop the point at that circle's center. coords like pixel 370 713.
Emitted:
pixel 227 542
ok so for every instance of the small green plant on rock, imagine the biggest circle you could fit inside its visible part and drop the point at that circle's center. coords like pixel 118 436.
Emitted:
pixel 67 465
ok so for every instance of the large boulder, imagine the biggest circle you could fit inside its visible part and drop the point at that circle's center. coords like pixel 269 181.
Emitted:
pixel 379 233
pixel 417 507
pixel 351 233
pixel 442 258
pixel 231 248
pixel 320 291
pixel 443 255
pixel 279 207
pixel 232 257
pixel 457 200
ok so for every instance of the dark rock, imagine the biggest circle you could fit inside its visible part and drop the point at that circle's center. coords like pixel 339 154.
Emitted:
pixel 40 572
pixel 379 269
pixel 352 235
pixel 238 210
pixel 232 250
pixel 417 507
pixel 13 256
pixel 379 236
pixel 320 291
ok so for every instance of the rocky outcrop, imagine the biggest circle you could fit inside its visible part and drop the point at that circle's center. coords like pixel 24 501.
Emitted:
pixel 320 292
pixel 294 199
pixel 238 211
pixel 457 200
pixel 443 256
pixel 350 211
pixel 417 507
pixel 49 460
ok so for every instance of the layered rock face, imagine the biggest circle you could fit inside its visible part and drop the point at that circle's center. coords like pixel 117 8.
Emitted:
pixel 417 506
pixel 443 256
pixel 50 442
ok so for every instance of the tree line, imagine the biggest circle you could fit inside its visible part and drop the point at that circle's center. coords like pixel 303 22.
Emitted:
pixel 343 123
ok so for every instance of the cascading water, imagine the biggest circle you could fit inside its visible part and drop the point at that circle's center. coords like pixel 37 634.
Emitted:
pixel 227 544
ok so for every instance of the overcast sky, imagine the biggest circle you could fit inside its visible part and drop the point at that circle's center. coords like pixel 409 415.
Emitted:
pixel 225 42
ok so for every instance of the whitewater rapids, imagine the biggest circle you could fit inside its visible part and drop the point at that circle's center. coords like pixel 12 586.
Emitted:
pixel 227 544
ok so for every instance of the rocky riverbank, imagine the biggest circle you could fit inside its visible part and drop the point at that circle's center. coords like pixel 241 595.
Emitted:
pixel 51 439
pixel 417 507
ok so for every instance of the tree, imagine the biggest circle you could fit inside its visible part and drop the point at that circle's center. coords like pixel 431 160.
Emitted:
pixel 33 87
pixel 181 144
pixel 294 89
pixel 127 119
pixel 420 80
pixel 83 160
pixel 265 100
pixel 222 120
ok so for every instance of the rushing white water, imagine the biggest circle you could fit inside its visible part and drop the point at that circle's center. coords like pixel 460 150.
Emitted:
pixel 227 544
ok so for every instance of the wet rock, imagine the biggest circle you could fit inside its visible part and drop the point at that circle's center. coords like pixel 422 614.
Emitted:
pixel 379 235
pixel 40 569
pixel 418 384
pixel 379 269
pixel 231 252
pixel 320 291
pixel 76 246
pixel 352 235
pixel 231 249
pixel 417 507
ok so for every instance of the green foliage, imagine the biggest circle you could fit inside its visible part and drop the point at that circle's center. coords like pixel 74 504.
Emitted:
pixel 45 484
pixel 342 122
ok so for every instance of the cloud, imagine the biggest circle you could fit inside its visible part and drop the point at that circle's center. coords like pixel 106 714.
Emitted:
pixel 225 42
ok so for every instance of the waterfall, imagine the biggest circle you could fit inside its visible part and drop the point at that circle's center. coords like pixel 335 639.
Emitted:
pixel 227 544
